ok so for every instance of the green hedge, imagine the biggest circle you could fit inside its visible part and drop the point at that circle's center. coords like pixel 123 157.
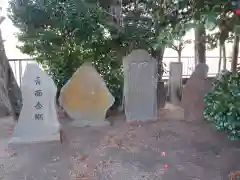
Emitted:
pixel 222 104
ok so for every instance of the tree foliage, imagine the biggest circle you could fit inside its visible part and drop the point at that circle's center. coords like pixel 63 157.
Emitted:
pixel 222 104
pixel 64 34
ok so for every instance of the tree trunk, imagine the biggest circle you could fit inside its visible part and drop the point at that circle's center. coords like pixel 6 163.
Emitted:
pixel 116 11
pixel 200 44
pixel 224 57
pixel 161 94
pixel 220 58
pixel 235 54
pixel 179 56
pixel 10 94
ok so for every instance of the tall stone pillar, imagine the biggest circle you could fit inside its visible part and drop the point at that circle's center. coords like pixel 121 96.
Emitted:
pixel 175 82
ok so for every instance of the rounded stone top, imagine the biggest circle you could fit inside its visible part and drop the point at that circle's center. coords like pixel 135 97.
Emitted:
pixel 138 56
pixel 201 69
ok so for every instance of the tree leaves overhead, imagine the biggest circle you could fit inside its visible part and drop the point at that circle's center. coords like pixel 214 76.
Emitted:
pixel 62 34
pixel 56 20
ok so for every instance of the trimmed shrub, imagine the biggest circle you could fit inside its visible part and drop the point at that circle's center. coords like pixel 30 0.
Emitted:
pixel 222 104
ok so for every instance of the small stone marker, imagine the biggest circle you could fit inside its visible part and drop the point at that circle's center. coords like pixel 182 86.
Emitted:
pixel 194 92
pixel 38 119
pixel 86 98
pixel 140 86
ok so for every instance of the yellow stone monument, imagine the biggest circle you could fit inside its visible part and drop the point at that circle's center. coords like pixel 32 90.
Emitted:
pixel 85 97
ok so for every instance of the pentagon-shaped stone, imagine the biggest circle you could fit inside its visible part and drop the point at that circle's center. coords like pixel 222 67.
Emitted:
pixel 85 97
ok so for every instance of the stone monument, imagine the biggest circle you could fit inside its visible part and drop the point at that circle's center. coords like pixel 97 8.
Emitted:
pixel 86 98
pixel 175 82
pixel 140 86
pixel 38 118
pixel 194 92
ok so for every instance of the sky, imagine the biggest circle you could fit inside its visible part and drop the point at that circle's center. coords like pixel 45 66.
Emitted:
pixel 8 31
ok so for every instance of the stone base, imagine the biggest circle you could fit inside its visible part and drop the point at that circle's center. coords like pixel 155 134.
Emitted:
pixel 141 121
pixel 84 123
pixel 34 139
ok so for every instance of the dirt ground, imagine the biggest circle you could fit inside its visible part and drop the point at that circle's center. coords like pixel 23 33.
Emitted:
pixel 167 149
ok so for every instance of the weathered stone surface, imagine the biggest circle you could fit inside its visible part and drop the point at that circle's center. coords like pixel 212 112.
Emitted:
pixel 85 97
pixel 175 82
pixel 38 119
pixel 194 91
pixel 201 70
pixel 10 94
pixel 161 94
pixel 140 86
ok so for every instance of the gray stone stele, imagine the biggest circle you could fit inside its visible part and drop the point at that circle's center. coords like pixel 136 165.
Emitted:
pixel 140 86
pixel 175 82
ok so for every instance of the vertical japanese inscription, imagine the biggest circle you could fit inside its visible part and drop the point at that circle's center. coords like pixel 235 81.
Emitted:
pixel 38 93
pixel 38 105
pixel 38 116
pixel 37 80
